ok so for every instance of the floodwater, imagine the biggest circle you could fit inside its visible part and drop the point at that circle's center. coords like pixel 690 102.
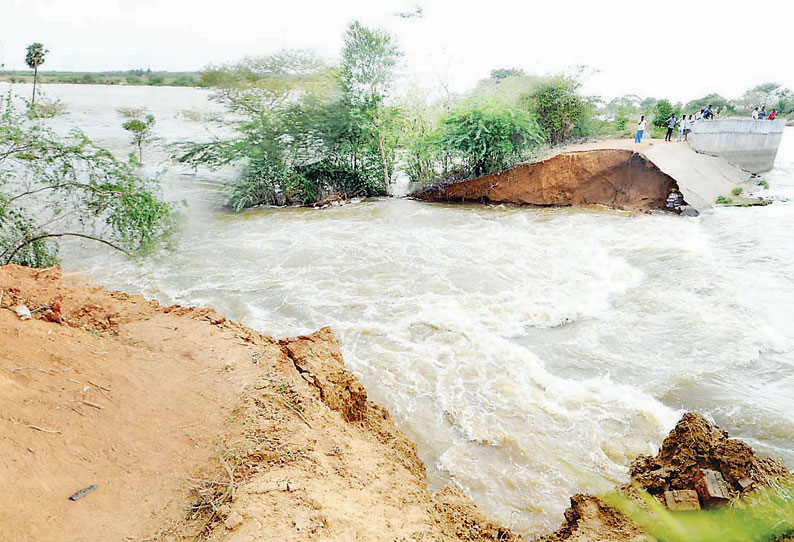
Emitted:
pixel 531 353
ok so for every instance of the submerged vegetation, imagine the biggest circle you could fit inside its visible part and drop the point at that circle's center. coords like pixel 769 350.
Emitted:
pixel 765 515
pixel 54 187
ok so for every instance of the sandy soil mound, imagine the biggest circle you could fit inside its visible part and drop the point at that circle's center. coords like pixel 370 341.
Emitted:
pixel 614 177
pixel 190 425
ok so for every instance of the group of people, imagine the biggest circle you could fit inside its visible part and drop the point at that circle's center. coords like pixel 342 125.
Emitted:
pixel 761 114
pixel 684 124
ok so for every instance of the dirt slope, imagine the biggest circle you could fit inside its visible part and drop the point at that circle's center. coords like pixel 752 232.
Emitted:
pixel 193 425
pixel 618 178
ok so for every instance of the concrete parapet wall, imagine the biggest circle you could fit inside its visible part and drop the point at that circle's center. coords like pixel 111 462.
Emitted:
pixel 749 144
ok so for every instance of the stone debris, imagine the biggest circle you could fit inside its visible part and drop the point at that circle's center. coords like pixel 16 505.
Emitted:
pixel 682 500
pixel 23 312
pixel 233 520
pixel 711 487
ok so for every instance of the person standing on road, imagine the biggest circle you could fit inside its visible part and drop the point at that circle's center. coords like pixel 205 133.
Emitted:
pixel 681 126
pixel 670 125
pixel 640 129
pixel 688 122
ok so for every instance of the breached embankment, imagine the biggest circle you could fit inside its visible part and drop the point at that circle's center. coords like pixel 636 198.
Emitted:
pixel 189 424
pixel 616 174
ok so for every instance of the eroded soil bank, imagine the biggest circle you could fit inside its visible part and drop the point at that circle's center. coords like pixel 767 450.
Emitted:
pixel 194 427
pixel 617 178
pixel 189 424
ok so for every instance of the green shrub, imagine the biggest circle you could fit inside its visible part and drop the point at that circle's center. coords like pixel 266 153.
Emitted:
pixel 560 111
pixel 763 183
pixel 724 200
pixel 661 112
pixel 737 191
pixel 486 138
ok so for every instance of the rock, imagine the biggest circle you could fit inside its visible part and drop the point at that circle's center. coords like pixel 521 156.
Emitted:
pixel 233 520
pixel 711 487
pixel 686 210
pixel 23 312
pixel 682 500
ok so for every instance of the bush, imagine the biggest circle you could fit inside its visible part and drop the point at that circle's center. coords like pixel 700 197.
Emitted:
pixel 724 200
pixel 560 111
pixel 737 191
pixel 661 112
pixel 487 138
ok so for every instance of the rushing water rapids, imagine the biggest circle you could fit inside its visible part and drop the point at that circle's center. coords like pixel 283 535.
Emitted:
pixel 531 353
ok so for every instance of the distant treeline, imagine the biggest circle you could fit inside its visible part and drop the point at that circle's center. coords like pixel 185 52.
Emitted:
pixel 129 77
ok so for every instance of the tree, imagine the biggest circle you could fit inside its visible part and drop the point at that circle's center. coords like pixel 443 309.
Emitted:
pixel 306 131
pixel 53 187
pixel 661 112
pixel 560 109
pixel 719 104
pixel 35 58
pixel 486 138
pixel 768 94
pixel 141 131
pixel 369 58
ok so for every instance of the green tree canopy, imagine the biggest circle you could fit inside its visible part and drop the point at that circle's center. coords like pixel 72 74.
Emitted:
pixel 35 58
pixel 307 131
pixel 53 187
pixel 486 138
pixel 661 112
pixel 141 132
pixel 771 95
pixel 560 110
pixel 719 104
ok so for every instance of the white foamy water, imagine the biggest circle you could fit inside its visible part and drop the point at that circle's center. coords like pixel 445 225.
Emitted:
pixel 531 353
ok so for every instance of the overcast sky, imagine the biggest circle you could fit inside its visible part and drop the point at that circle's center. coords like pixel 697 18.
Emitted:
pixel 678 49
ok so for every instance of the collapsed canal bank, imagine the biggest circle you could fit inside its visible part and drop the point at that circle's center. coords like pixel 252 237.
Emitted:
pixel 191 425
pixel 653 175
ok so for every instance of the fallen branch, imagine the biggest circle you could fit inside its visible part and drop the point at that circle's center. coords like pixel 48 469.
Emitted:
pixel 69 234
pixel 37 428
pixel 92 404
pixel 83 492
pixel 295 410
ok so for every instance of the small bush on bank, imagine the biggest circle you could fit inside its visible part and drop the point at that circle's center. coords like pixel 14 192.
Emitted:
pixel 737 191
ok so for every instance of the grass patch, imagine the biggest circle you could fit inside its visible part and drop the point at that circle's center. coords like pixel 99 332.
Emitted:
pixel 724 200
pixel 737 191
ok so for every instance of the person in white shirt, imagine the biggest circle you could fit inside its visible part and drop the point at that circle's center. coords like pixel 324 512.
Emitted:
pixel 681 126
pixel 688 127
pixel 640 130
pixel 755 114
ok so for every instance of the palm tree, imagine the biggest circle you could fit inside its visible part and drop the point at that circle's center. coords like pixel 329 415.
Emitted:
pixel 34 59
